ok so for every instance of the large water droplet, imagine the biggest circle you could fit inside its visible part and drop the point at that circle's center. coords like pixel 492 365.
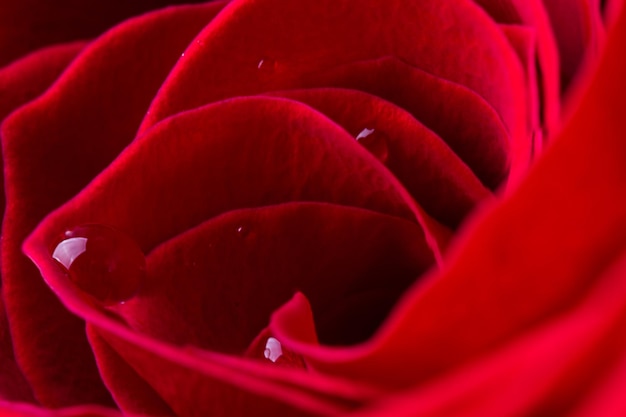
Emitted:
pixel 275 352
pixel 375 142
pixel 273 349
pixel 101 261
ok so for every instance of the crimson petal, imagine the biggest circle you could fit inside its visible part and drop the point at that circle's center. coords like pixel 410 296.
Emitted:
pixel 507 258
pixel 32 24
pixel 324 34
pixel 57 124
pixel 436 178
pixel 200 292
pixel 465 121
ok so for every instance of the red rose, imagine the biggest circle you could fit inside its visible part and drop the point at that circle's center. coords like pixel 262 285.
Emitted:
pixel 294 173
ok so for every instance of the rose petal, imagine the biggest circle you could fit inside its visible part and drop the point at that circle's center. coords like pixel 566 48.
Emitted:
pixel 195 382
pixel 336 170
pixel 288 152
pixel 465 121
pixel 13 386
pixel 578 30
pixel 12 409
pixel 131 393
pixel 524 41
pixel 27 78
pixel 431 172
pixel 57 124
pixel 31 24
pixel 532 13
pixel 548 370
pixel 512 262
pixel 324 34
pixel 20 82
pixel 201 293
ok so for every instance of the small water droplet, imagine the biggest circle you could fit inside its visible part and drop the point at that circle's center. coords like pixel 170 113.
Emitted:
pixel 103 262
pixel 266 65
pixel 243 231
pixel 182 55
pixel 375 142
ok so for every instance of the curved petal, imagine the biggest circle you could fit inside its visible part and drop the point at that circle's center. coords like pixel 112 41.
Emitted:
pixel 465 121
pixel 578 30
pixel 21 82
pixel 132 394
pixel 290 153
pixel 12 409
pixel 57 124
pixel 32 24
pixel 532 13
pixel 571 207
pixel 226 385
pixel 324 34
pixel 25 79
pixel 436 178
pixel 554 368
pixel 200 293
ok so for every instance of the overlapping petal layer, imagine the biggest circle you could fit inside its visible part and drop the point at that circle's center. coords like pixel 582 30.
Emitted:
pixel 242 169
pixel 52 148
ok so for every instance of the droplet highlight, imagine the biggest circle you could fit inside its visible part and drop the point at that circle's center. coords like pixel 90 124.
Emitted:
pixel 102 262
pixel 276 353
pixel 243 231
pixel 273 349
pixel 375 142
pixel 266 65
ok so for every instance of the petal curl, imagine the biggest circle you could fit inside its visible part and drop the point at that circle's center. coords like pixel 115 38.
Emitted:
pixel 529 259
pixel 57 124
pixel 455 41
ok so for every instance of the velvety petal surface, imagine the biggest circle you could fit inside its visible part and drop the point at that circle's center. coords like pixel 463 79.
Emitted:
pixel 325 34
pixel 13 409
pixel 32 24
pixel 511 261
pixel 21 82
pixel 292 153
pixel 465 121
pixel 200 292
pixel 57 124
pixel 196 382
pixel 131 392
pixel 559 367
pixel 533 14
pixel 28 77
pixel 436 178
pixel 578 30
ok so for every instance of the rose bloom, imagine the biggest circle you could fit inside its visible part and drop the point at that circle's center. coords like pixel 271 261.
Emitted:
pixel 302 208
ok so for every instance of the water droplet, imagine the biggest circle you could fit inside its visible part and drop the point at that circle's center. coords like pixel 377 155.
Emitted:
pixel 182 55
pixel 275 353
pixel 375 142
pixel 266 65
pixel 273 349
pixel 103 262
pixel 243 231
